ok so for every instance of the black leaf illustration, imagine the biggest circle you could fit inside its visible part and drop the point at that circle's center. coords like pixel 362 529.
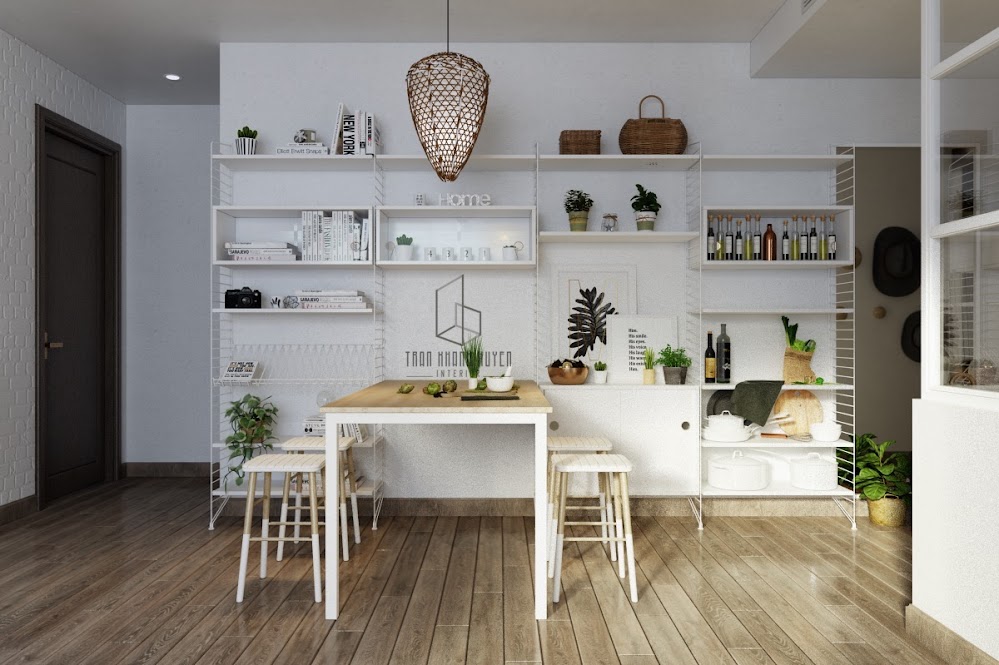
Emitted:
pixel 588 322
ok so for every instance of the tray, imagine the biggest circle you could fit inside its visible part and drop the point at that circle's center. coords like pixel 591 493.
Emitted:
pixel 488 397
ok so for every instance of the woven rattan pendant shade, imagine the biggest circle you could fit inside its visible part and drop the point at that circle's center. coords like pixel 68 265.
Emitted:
pixel 447 99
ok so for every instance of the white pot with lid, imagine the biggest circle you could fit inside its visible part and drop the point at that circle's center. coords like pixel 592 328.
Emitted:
pixel 813 472
pixel 738 472
pixel 727 428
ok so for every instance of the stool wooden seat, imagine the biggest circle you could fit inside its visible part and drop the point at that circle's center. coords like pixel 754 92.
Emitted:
pixel 616 469
pixel 307 465
pixel 348 484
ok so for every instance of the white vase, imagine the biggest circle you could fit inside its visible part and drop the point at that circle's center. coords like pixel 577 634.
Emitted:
pixel 600 376
pixel 403 253
pixel 473 383
pixel 246 146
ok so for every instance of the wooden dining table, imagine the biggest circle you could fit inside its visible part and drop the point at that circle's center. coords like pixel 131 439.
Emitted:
pixel 382 403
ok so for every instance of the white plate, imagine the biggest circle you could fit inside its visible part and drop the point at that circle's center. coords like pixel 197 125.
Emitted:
pixel 727 437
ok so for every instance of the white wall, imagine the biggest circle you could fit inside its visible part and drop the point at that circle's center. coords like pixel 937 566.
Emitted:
pixel 28 78
pixel 166 237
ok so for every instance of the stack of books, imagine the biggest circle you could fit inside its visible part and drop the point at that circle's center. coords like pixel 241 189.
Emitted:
pixel 261 250
pixel 355 134
pixel 337 235
pixel 331 299
pixel 303 150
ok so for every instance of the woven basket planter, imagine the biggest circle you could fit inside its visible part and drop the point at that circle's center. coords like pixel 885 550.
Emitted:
pixel 798 367
pixel 579 142
pixel 888 512
pixel 653 136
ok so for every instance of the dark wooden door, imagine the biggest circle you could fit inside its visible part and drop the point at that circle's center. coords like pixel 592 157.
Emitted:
pixel 77 322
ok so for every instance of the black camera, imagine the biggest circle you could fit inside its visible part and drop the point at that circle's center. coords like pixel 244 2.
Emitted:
pixel 244 298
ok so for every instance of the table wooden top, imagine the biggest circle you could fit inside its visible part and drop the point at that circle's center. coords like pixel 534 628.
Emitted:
pixel 384 397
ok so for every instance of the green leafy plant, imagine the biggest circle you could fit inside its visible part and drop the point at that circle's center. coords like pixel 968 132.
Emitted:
pixel 670 357
pixel 880 473
pixel 645 201
pixel 791 334
pixel 577 200
pixel 588 323
pixel 404 240
pixel 650 358
pixel 252 421
pixel 246 133
pixel 600 366
pixel 471 354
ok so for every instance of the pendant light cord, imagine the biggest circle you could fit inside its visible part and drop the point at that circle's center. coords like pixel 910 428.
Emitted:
pixel 448 24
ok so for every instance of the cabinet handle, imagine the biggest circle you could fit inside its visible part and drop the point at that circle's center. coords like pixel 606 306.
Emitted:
pixel 553 425
pixel 685 425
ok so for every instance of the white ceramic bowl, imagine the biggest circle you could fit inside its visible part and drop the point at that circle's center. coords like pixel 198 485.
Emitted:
pixel 499 384
pixel 826 431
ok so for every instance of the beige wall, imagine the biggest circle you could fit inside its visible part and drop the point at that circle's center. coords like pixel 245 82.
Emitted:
pixel 887 182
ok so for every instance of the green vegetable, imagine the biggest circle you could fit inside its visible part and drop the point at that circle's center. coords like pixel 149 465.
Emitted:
pixel 432 389
pixel 791 335
pixel 481 385
pixel 471 353
pixel 406 388
pixel 450 386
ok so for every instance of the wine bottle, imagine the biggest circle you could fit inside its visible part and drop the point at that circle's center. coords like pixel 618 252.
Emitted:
pixel 803 242
pixel 723 363
pixel 740 246
pixel 770 244
pixel 710 367
pixel 813 241
pixel 832 238
pixel 757 241
pixel 712 241
pixel 729 240
pixel 823 246
pixel 785 246
pixel 747 252
pixel 795 252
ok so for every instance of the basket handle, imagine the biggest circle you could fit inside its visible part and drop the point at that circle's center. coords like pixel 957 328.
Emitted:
pixel 661 103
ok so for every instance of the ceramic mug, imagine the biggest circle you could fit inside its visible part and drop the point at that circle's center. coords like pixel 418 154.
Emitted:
pixel 510 251
pixel 484 254
pixel 449 254
pixel 430 254
pixel 466 254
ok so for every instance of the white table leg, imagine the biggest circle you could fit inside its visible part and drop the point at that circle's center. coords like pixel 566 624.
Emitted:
pixel 540 523
pixel 333 475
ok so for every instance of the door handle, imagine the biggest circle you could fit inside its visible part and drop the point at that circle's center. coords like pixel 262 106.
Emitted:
pixel 49 345
pixel 53 345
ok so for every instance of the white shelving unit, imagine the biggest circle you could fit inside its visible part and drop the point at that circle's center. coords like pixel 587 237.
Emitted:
pixel 812 387
pixel 618 237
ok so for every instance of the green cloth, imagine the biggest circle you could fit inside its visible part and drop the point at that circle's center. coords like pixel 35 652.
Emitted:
pixel 754 400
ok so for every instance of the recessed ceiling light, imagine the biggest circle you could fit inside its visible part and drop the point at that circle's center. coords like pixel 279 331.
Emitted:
pixel 172 77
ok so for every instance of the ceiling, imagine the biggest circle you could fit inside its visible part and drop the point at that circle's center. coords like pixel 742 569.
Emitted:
pixel 126 46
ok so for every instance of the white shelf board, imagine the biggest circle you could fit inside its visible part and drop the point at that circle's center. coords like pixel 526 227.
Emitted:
pixel 457 212
pixel 607 238
pixel 617 162
pixel 293 264
pixel 773 162
pixel 288 312
pixel 281 212
pixel 774 265
pixel 776 312
pixel 760 442
pixel 777 488
pixel 825 387
pixel 294 163
pixel 457 265
pixel 616 386
pixel 737 210
pixel 475 163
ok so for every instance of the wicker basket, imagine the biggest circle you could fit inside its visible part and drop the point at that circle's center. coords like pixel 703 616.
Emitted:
pixel 579 142
pixel 798 367
pixel 653 136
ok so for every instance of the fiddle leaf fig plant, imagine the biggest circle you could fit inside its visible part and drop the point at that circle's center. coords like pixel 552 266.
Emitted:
pixel 252 420
pixel 880 473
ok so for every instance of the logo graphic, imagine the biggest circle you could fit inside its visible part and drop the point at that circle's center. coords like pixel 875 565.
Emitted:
pixel 456 322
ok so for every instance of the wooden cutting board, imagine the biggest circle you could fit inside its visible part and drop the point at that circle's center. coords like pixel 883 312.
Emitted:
pixel 804 408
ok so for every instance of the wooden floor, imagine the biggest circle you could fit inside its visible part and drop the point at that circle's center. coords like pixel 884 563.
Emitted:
pixel 130 574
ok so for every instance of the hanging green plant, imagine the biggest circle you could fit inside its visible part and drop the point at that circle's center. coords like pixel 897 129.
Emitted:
pixel 588 323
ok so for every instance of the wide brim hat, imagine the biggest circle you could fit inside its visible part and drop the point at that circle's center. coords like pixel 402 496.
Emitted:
pixel 910 336
pixel 895 264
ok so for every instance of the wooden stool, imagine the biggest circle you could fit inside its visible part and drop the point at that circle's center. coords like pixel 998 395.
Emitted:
pixel 617 468
pixel 309 465
pixel 317 444
pixel 576 445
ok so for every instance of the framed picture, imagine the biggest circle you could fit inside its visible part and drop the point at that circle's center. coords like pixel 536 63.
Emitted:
pixel 584 301
pixel 627 339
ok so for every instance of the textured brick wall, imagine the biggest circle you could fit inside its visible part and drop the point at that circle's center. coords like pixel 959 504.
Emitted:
pixel 26 78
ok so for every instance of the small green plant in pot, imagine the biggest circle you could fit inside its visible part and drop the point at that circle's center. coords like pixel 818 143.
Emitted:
pixel 403 250
pixel 646 206
pixel 599 372
pixel 578 204
pixel 649 373
pixel 252 421
pixel 246 141
pixel 471 354
pixel 884 479
pixel 674 363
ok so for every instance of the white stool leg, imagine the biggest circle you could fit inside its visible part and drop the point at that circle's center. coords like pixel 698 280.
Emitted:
pixel 603 506
pixel 550 525
pixel 344 542
pixel 611 514
pixel 554 487
pixel 284 515
pixel 560 537
pixel 353 495
pixel 265 524
pixel 298 505
pixel 629 541
pixel 314 519
pixel 618 527
pixel 244 550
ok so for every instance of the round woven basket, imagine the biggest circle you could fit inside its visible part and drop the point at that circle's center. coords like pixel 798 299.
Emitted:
pixel 653 136
pixel 797 366
pixel 579 142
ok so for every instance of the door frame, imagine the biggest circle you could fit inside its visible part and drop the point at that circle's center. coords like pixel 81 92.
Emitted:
pixel 47 121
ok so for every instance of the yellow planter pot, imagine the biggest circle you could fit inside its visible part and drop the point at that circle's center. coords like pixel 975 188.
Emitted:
pixel 887 512
pixel 649 377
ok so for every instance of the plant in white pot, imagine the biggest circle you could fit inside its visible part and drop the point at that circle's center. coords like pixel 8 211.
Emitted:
pixel 674 363
pixel 246 141
pixel 578 204
pixel 646 206
pixel 471 354
pixel 599 372
pixel 252 420
pixel 884 479
pixel 403 248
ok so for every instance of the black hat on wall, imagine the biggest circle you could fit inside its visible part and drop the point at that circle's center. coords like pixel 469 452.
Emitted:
pixel 895 265
pixel 911 344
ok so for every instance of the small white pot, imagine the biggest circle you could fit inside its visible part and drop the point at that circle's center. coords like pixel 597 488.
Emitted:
pixel 600 376
pixel 473 383
pixel 246 146
pixel 403 253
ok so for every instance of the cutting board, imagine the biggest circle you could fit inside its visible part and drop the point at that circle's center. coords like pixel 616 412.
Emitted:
pixel 804 408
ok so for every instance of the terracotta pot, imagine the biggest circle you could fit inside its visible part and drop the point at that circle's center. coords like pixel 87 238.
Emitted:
pixel 645 220
pixel 578 220
pixel 649 377
pixel 675 376
pixel 887 512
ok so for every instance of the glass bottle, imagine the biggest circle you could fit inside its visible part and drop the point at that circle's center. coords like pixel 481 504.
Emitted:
pixel 823 246
pixel 795 252
pixel 770 244
pixel 710 367
pixel 747 252
pixel 831 242
pixel 785 245
pixel 712 240
pixel 740 245
pixel 729 239
pixel 757 241
pixel 723 362
pixel 813 241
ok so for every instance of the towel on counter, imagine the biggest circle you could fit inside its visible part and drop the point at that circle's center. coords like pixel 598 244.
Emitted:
pixel 754 400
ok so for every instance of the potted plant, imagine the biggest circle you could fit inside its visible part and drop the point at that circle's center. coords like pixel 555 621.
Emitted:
pixel 471 354
pixel 403 248
pixel 599 372
pixel 252 421
pixel 246 141
pixel 578 204
pixel 884 479
pixel 646 206
pixel 675 363
pixel 649 373
pixel 797 355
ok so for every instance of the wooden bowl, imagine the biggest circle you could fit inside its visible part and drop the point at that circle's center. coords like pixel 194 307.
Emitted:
pixel 568 377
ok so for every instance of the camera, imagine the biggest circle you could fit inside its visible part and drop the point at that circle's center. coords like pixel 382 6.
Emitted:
pixel 244 298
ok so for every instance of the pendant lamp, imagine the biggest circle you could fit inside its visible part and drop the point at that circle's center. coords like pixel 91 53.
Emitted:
pixel 447 98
